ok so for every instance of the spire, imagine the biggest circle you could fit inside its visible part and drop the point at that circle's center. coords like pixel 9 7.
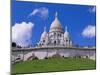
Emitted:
pixel 66 34
pixel 56 14
pixel 66 28
pixel 45 28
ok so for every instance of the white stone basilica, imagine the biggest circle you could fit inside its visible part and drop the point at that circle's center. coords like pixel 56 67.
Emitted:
pixel 56 36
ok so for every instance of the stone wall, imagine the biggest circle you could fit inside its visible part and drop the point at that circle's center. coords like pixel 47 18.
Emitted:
pixel 41 53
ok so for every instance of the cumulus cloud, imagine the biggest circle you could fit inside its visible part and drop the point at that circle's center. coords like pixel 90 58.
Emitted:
pixel 22 33
pixel 89 31
pixel 92 10
pixel 41 12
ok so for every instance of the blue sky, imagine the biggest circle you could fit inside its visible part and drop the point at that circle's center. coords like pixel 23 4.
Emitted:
pixel 75 17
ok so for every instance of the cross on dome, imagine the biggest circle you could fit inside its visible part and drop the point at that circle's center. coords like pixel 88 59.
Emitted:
pixel 66 28
pixel 44 28
pixel 56 14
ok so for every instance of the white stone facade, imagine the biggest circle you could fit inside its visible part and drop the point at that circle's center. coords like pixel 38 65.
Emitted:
pixel 56 36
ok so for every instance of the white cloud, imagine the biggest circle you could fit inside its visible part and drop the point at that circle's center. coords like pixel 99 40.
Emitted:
pixel 22 33
pixel 89 31
pixel 41 12
pixel 92 10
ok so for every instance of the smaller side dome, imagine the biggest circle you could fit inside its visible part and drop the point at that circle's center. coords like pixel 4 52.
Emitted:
pixel 66 34
pixel 44 34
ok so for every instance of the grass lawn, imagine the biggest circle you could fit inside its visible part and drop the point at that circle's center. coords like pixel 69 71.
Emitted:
pixel 54 64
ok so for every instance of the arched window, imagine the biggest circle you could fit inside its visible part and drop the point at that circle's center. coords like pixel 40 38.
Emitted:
pixel 66 40
pixel 54 33
pixel 43 40
pixel 60 35
pixel 59 41
pixel 54 42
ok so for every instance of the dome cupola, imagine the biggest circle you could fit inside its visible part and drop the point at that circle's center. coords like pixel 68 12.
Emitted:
pixel 56 25
pixel 66 34
pixel 44 34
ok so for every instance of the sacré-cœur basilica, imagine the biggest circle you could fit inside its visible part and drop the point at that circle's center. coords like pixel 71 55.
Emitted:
pixel 54 42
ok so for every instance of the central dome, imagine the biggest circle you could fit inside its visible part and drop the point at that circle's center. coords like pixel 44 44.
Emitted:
pixel 56 25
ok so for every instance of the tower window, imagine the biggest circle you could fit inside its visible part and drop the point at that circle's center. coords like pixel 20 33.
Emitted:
pixel 59 35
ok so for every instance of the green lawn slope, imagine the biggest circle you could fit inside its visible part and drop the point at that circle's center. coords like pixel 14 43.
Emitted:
pixel 53 64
